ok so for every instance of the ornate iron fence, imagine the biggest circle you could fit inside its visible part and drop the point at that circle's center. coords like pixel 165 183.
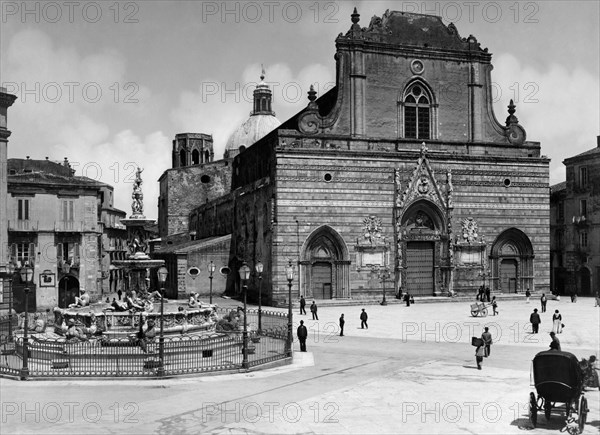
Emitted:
pixel 183 354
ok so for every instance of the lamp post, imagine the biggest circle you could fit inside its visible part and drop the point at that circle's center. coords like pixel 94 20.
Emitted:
pixel 244 275
pixel 259 270
pixel 384 275
pixel 26 273
pixel 211 271
pixel 162 278
pixel 289 271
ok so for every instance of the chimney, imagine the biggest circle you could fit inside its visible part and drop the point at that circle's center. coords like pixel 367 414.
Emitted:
pixel 27 157
pixel 66 162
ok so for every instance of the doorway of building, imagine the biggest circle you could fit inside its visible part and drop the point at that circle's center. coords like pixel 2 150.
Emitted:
pixel 68 288
pixel 585 285
pixel 321 280
pixel 419 268
pixel 508 275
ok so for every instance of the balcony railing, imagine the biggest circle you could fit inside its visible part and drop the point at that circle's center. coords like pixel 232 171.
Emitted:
pixel 23 225
pixel 68 226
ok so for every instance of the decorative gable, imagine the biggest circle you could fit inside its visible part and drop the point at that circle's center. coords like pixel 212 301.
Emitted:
pixel 422 184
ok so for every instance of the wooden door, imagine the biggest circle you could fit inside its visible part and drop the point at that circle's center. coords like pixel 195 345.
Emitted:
pixel 321 276
pixel 419 268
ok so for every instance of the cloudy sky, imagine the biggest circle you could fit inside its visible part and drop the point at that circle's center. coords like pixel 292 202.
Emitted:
pixel 108 84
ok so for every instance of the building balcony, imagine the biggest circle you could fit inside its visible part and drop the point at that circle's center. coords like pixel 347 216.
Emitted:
pixel 580 221
pixel 69 226
pixel 23 225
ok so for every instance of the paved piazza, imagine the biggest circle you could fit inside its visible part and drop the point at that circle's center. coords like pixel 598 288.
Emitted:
pixel 412 371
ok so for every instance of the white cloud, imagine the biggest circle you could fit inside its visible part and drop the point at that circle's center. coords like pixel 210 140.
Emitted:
pixel 557 107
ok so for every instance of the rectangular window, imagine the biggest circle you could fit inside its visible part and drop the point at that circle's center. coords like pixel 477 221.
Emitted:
pixel 410 122
pixel 583 177
pixel 67 210
pixel 23 210
pixel 583 207
pixel 583 239
pixel 23 254
pixel 68 252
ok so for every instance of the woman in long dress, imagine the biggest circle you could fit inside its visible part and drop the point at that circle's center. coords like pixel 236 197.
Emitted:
pixel 556 322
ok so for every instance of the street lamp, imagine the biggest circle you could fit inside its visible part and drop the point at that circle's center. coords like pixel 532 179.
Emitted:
pixel 244 272
pixel 259 270
pixel 384 275
pixel 162 278
pixel 289 271
pixel 26 273
pixel 211 271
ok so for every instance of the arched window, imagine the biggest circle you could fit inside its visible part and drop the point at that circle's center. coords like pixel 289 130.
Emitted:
pixel 417 112
pixel 195 157
pixel 206 156
pixel 182 158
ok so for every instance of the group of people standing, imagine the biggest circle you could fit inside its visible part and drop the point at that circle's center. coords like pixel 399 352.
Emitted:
pixel 484 294
pixel 302 332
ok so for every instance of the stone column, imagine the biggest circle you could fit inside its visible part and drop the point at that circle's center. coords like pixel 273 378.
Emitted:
pixel 6 100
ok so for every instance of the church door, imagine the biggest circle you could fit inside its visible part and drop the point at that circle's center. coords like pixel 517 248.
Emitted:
pixel 419 268
pixel 509 275
pixel 321 280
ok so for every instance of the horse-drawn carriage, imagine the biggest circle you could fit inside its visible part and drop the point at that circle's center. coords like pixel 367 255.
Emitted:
pixel 558 378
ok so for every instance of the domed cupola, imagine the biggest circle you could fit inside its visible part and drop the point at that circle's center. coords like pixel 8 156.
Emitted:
pixel 261 122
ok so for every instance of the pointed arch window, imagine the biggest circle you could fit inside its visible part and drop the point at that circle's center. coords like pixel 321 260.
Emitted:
pixel 417 112
pixel 195 157
pixel 182 158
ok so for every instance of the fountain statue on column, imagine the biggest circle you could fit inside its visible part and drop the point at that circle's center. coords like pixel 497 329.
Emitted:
pixel 138 264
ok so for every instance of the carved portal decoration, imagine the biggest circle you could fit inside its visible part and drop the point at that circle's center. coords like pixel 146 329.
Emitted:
pixel 423 213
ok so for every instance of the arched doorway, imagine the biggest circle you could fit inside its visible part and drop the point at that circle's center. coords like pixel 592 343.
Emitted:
pixel 585 288
pixel 512 262
pixel 421 233
pixel 68 288
pixel 325 266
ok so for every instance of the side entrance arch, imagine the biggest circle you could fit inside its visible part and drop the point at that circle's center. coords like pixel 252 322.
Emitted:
pixel 512 262
pixel 325 265
pixel 68 288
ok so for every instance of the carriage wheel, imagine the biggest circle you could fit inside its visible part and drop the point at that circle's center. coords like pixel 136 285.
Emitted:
pixel 474 313
pixel 547 409
pixel 484 312
pixel 583 410
pixel 532 410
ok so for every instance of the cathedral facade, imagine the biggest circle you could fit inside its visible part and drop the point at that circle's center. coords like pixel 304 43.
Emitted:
pixel 400 177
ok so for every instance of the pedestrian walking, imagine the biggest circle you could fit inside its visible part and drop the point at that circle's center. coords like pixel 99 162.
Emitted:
pixel 573 295
pixel 479 354
pixel 363 319
pixel 119 293
pixel 487 341
pixel 487 294
pixel 313 310
pixel 535 321
pixel 543 301
pixel 556 322
pixel 555 343
pixel 302 334
pixel 302 305
pixel 342 323
pixel 494 305
pixel 527 295
pixel 480 293
pixel 407 299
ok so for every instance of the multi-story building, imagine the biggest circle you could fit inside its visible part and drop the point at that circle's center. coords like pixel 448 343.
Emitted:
pixel 575 226
pixel 56 224
pixel 114 242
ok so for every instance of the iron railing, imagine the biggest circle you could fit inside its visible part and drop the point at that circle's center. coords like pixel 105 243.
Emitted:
pixel 128 357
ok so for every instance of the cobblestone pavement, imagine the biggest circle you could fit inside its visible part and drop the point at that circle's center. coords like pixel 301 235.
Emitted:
pixel 412 371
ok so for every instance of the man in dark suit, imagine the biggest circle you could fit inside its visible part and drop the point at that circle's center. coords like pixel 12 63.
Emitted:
pixel 302 334
pixel 342 323
pixel 313 310
pixel 535 321
pixel 302 305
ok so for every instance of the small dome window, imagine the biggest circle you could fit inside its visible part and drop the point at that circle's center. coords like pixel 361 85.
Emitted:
pixel 205 179
pixel 327 177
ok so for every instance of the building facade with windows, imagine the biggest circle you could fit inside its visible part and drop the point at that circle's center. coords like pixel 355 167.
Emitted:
pixel 575 226
pixel 58 223
pixel 401 167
